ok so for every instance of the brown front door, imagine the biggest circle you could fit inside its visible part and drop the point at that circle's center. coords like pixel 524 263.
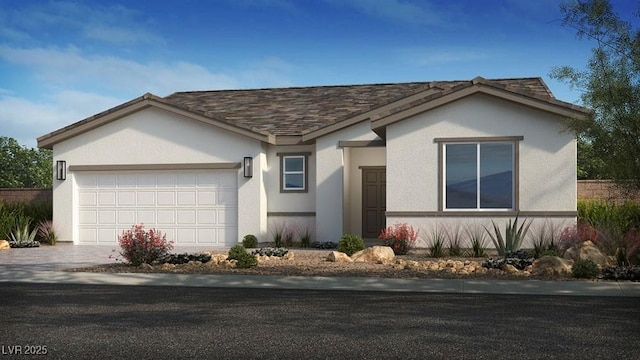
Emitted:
pixel 374 200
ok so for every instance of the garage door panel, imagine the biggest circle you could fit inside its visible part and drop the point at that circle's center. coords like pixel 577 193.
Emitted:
pixel 189 207
pixel 166 180
pixel 107 181
pixel 207 217
pixel 126 217
pixel 107 217
pixel 126 181
pixel 88 235
pixel 146 198
pixel 166 198
pixel 227 216
pixel 166 217
pixel 107 235
pixel 227 197
pixel 147 217
pixel 88 217
pixel 88 199
pixel 187 198
pixel 186 217
pixel 206 197
pixel 126 198
pixel 107 198
pixel 186 235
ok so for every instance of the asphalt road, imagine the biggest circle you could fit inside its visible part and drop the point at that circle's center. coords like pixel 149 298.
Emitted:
pixel 136 322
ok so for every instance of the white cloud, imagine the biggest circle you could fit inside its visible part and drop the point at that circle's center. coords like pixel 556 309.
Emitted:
pixel 65 67
pixel 114 24
pixel 402 11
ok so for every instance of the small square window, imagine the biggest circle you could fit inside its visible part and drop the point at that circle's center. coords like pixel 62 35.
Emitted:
pixel 294 176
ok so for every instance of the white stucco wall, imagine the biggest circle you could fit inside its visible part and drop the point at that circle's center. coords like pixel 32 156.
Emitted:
pixel 547 159
pixel 330 178
pixel 154 136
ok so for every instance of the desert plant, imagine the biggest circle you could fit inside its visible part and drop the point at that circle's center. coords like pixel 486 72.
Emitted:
pixel 47 232
pixel 574 235
pixel 324 245
pixel 513 236
pixel 546 240
pixel 305 236
pixel 584 269
pixel 350 244
pixel 140 246
pixel 280 234
pixel 287 237
pixel 400 237
pixel 243 259
pixel 436 244
pixel 277 252
pixel 23 237
pixel 249 241
pixel 478 238
pixel 454 239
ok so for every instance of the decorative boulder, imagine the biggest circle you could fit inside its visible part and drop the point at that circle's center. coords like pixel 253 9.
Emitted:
pixel 378 254
pixel 339 257
pixel 552 266
pixel 586 250
pixel 4 245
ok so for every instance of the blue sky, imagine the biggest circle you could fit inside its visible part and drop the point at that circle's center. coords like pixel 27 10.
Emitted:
pixel 62 61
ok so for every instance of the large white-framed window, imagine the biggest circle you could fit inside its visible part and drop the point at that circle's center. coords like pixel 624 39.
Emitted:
pixel 479 174
pixel 293 175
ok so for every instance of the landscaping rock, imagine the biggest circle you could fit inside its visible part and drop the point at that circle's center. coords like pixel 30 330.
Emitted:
pixel 339 257
pixel 379 254
pixel 510 269
pixel 587 250
pixel 146 266
pixel 552 266
pixel 4 245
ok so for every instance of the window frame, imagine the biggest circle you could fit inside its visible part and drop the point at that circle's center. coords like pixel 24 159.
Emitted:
pixel 442 142
pixel 304 172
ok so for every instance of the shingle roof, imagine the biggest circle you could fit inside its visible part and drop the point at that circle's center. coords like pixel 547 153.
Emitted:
pixel 307 112
pixel 297 110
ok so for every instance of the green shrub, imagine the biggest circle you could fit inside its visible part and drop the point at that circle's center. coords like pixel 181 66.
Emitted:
pixel 513 236
pixel 584 269
pixel 454 237
pixel 277 252
pixel 305 237
pixel 350 244
pixel 236 252
pixel 244 260
pixel 250 241
pixel 436 245
pixel 478 238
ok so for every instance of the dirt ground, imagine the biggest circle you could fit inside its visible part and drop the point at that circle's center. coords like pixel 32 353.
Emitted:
pixel 314 263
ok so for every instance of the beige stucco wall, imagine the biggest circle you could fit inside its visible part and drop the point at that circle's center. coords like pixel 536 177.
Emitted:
pixel 154 136
pixel 292 201
pixel 547 166
pixel 330 176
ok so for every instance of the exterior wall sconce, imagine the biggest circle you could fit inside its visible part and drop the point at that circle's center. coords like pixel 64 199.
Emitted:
pixel 248 166
pixel 61 170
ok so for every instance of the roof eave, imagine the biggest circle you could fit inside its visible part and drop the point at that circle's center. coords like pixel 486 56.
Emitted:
pixel 135 105
pixel 552 106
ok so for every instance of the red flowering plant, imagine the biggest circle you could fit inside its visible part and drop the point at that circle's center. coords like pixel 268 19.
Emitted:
pixel 140 246
pixel 400 237
pixel 572 236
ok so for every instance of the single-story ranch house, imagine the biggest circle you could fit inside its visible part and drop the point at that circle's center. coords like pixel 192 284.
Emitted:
pixel 208 167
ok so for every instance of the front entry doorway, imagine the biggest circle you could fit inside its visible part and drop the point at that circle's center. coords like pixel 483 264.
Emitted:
pixel 374 200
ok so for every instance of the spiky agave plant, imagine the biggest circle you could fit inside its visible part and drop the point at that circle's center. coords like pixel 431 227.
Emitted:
pixel 513 236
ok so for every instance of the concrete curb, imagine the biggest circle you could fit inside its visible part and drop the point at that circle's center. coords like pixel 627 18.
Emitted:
pixel 459 286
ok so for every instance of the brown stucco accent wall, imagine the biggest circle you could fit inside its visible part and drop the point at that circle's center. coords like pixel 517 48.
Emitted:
pixel 604 190
pixel 9 195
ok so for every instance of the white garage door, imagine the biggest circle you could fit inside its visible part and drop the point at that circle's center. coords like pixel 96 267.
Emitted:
pixel 190 207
